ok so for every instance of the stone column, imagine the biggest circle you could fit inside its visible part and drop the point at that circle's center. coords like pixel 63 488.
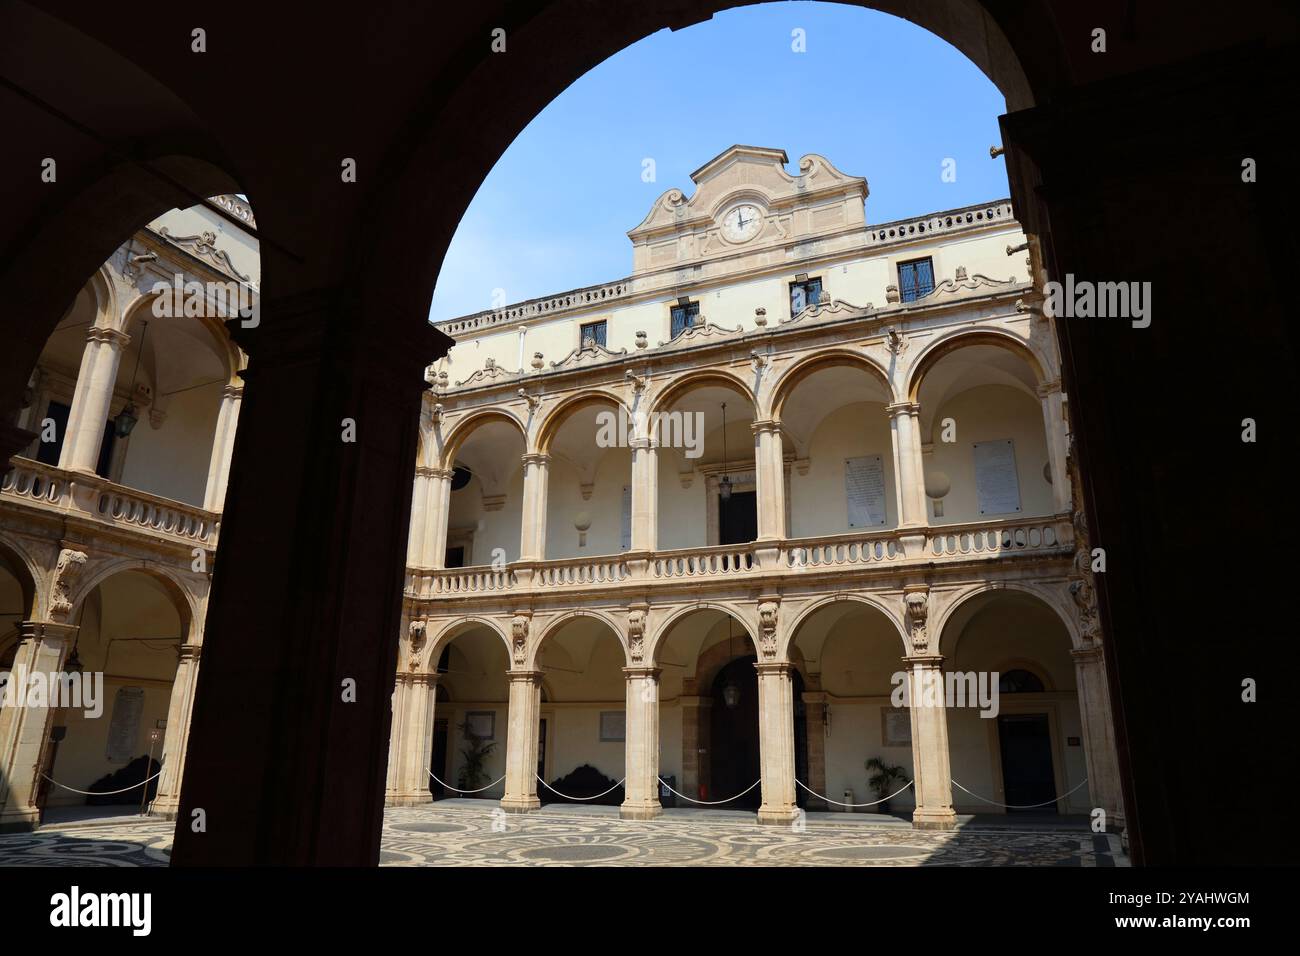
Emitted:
pixel 815 716
pixel 641 750
pixel 909 473
pixel 437 516
pixel 223 446
pixel 168 796
pixel 521 742
pixel 931 776
pixel 776 742
pixel 1053 402
pixel 1099 750
pixel 769 480
pixel 413 745
pixel 532 535
pixel 91 400
pixel 645 495
pixel 24 730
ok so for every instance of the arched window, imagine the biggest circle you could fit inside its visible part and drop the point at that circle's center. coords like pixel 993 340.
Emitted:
pixel 1019 682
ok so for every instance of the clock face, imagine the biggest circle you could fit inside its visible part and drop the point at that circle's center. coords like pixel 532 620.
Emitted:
pixel 742 222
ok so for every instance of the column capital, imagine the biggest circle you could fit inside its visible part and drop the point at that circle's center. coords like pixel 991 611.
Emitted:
pixel 1086 655
pixel 924 661
pixel 642 443
pixel 765 425
pixel 99 333
pixel 45 631
pixel 773 667
pixel 191 652
pixel 642 671
pixel 539 459
pixel 904 408
pixel 524 677
pixel 1048 388
pixel 233 391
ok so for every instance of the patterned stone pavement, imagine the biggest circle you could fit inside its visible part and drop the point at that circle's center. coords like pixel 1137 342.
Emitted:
pixel 473 833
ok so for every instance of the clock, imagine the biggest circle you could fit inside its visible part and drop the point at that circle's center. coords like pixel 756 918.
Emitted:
pixel 741 223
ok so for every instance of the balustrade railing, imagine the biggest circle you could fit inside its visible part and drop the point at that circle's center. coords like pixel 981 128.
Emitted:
pixel 50 488
pixel 816 555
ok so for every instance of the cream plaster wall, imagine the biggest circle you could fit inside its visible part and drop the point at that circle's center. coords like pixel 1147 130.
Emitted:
pixel 172 461
pixel 819 500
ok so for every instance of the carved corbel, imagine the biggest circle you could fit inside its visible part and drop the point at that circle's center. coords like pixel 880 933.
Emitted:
pixel 916 605
pixel 519 638
pixel 636 635
pixel 534 401
pixel 66 574
pixel 767 614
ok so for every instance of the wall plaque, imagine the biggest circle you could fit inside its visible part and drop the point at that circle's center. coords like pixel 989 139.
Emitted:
pixel 996 485
pixel 864 487
pixel 124 725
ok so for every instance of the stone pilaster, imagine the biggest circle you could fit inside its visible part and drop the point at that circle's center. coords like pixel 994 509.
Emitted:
pixel 1099 750
pixel 521 742
pixel 168 796
pixel 645 495
pixel 24 730
pixel 532 534
pixel 769 480
pixel 776 742
pixel 931 775
pixel 641 750
pixel 223 447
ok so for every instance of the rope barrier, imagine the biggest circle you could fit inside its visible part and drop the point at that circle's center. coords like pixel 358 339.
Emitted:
pixel 838 804
pixel 103 793
pixel 710 803
pixel 458 790
pixel 567 797
pixel 1008 806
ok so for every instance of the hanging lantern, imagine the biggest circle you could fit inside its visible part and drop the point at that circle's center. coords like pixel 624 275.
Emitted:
pixel 724 486
pixel 731 694
pixel 126 420
pixel 73 664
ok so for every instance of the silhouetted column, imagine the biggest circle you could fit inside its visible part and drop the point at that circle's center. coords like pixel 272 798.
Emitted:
pixel 641 750
pixel 288 738
pixel 1053 402
pixel 521 741
pixel 92 399
pixel 411 745
pixel 24 729
pixel 1099 751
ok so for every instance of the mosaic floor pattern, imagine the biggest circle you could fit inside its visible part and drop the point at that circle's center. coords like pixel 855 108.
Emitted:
pixel 462 833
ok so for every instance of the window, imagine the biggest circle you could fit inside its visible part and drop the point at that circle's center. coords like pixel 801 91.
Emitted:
pixel 915 279
pixel 684 315
pixel 803 293
pixel 455 557
pixel 594 332
pixel 48 452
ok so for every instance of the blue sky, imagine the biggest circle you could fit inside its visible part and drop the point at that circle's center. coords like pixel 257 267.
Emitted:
pixel 876 95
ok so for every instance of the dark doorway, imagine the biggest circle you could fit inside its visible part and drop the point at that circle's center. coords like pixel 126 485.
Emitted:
pixel 438 761
pixel 541 749
pixel 733 748
pixel 738 518
pixel 1027 778
pixel 455 557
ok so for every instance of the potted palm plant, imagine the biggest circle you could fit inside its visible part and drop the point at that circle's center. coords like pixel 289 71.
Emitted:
pixel 475 754
pixel 883 779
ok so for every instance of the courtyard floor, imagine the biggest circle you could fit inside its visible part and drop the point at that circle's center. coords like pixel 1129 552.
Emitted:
pixel 470 833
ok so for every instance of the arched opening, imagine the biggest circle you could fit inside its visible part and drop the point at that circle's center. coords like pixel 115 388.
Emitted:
pixel 833 412
pixel 137 382
pixel 708 710
pixel 131 627
pixel 707 480
pixel 471 714
pixel 985 447
pixel 486 496
pixel 851 650
pixel 582 737
pixel 589 487
pixel 17 597
pixel 1015 731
